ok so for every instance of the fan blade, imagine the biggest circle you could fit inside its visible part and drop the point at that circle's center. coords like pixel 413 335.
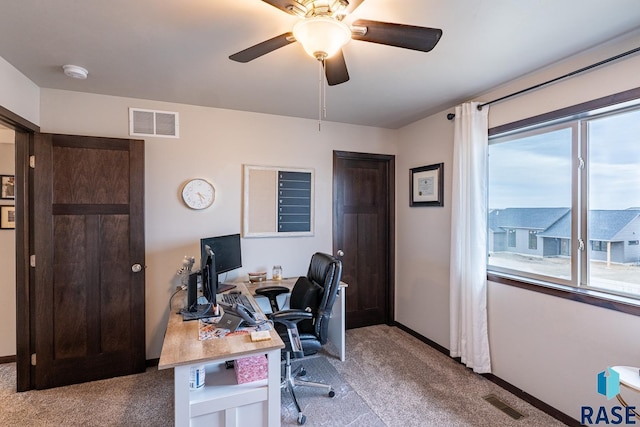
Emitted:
pixel 288 6
pixel 253 52
pixel 406 36
pixel 335 68
pixel 353 4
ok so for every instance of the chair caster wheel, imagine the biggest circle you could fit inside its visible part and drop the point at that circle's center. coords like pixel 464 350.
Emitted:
pixel 302 372
pixel 332 393
pixel 302 419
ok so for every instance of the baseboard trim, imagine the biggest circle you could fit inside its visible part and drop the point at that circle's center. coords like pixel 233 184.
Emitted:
pixel 422 338
pixel 533 401
pixel 152 362
pixel 548 409
pixel 7 359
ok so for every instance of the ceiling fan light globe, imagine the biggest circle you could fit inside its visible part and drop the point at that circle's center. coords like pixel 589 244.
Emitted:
pixel 322 36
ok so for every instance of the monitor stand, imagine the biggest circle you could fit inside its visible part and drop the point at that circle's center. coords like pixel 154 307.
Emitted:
pixel 202 311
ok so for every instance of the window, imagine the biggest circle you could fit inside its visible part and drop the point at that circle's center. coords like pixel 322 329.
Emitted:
pixel 574 185
pixel 533 240
pixel 512 238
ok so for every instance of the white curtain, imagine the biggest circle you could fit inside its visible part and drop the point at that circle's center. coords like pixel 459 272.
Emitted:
pixel 469 337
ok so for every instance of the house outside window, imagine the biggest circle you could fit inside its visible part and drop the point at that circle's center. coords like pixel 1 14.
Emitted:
pixel 574 185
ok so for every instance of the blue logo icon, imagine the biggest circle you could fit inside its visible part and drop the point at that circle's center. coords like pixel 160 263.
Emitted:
pixel 609 385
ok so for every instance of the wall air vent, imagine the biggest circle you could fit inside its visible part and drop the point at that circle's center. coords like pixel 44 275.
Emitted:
pixel 153 123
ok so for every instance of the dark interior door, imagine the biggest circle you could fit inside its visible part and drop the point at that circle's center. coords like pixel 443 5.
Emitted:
pixel 363 187
pixel 88 239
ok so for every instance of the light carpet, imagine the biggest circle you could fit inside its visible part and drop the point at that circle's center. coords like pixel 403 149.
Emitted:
pixel 389 378
pixel 408 383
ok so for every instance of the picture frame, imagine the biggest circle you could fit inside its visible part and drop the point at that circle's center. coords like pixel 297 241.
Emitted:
pixel 7 217
pixel 427 185
pixel 7 187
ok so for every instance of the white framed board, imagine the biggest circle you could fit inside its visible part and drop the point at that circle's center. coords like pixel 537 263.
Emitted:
pixel 278 201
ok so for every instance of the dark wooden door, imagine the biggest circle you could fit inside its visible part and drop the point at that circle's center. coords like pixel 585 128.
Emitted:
pixel 363 188
pixel 88 231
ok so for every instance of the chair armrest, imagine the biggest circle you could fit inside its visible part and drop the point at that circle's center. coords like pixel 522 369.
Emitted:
pixel 290 319
pixel 272 292
pixel 291 314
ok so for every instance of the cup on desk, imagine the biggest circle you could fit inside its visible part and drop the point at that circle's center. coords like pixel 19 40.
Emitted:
pixel 196 377
pixel 259 276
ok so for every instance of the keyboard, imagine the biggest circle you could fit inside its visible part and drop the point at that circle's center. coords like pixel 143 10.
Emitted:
pixel 231 299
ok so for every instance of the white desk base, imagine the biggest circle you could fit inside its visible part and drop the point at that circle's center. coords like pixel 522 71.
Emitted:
pixel 337 324
pixel 222 402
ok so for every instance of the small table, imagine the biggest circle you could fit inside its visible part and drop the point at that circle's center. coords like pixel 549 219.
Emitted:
pixel 629 378
pixel 337 324
pixel 221 401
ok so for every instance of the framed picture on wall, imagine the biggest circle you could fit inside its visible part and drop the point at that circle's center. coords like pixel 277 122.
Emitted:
pixel 7 190
pixel 427 185
pixel 7 217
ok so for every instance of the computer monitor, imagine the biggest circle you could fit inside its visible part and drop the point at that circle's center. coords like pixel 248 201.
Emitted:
pixel 209 276
pixel 194 310
pixel 227 255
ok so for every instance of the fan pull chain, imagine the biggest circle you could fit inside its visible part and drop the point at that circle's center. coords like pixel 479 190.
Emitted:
pixel 322 108
pixel 320 62
pixel 324 94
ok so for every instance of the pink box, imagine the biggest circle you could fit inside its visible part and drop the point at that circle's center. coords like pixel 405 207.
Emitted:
pixel 252 368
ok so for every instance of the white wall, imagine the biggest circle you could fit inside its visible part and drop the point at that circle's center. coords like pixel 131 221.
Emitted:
pixel 18 94
pixel 7 256
pixel 214 144
pixel 423 233
pixel 549 347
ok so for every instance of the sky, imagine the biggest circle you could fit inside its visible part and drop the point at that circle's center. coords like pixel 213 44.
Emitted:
pixel 536 171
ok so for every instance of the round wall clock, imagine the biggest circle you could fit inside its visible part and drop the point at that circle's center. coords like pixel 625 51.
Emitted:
pixel 198 193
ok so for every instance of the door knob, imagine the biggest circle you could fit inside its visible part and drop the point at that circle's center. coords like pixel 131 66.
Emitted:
pixel 340 253
pixel 136 268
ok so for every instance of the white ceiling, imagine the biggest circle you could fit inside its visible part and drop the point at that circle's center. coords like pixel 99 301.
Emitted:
pixel 177 51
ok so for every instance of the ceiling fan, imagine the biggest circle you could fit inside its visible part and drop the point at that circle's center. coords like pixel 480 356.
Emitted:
pixel 322 32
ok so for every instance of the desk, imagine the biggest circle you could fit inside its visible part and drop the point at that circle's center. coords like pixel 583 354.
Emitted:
pixel 337 324
pixel 221 401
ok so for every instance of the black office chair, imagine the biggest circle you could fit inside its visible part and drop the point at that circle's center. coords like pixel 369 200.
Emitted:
pixel 304 326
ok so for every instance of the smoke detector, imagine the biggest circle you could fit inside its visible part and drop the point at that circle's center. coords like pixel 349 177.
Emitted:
pixel 75 71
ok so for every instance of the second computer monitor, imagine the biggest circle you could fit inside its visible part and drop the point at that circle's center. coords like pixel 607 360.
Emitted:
pixel 226 250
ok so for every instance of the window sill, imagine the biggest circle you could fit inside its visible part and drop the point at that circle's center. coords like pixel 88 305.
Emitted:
pixel 586 296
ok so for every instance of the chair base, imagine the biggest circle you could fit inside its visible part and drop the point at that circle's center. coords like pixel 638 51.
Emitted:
pixel 291 379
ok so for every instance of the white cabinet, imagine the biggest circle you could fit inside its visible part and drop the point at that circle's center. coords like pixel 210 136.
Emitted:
pixel 225 403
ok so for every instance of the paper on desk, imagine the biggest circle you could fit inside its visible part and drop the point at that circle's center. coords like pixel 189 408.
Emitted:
pixel 208 329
